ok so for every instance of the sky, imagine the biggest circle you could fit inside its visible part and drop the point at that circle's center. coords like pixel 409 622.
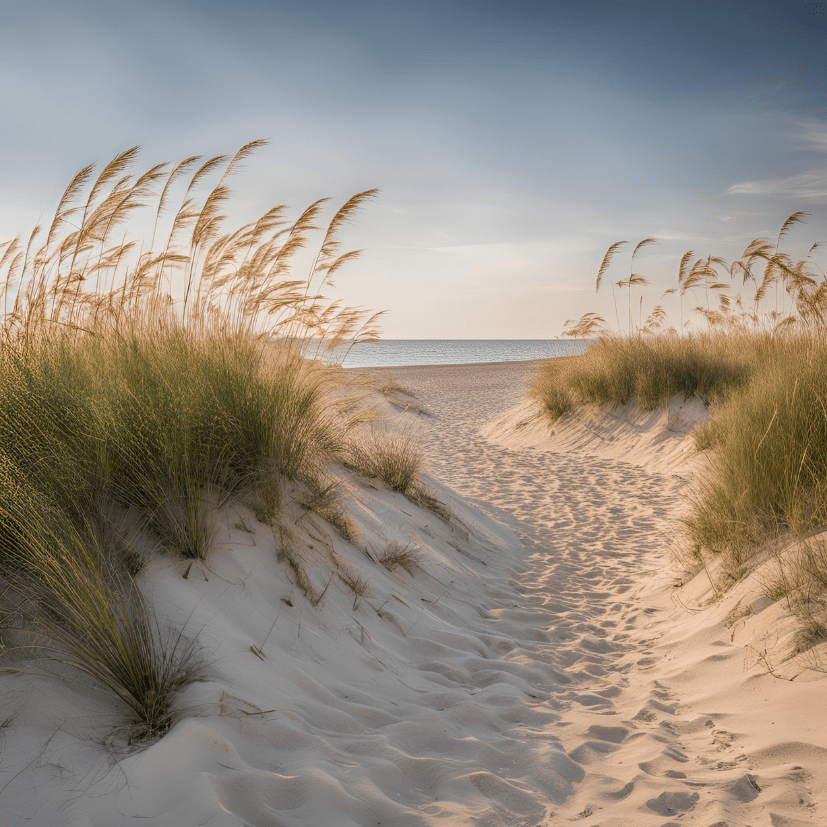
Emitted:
pixel 513 142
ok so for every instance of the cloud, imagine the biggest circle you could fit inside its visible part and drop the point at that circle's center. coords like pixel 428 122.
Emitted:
pixel 674 235
pixel 810 185
pixel 814 133
pixel 505 250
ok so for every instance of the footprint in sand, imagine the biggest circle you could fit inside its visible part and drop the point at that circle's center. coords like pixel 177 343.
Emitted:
pixel 670 803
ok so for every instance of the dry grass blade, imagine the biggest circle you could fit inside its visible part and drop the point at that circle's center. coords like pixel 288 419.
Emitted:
pixel 330 244
pixel 203 171
pixel 177 171
pixel 642 245
pixel 795 218
pixel 118 165
pixel 587 325
pixel 607 260
pixel 63 210
pixel 242 155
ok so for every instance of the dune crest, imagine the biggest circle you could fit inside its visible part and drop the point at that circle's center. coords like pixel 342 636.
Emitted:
pixel 660 441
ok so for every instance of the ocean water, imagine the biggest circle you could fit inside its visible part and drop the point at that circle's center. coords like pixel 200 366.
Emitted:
pixel 401 352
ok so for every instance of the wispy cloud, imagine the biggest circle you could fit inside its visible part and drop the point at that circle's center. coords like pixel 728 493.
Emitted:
pixel 674 235
pixel 810 185
pixel 509 250
pixel 814 134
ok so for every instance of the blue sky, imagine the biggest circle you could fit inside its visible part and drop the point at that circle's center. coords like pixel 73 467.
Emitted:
pixel 513 142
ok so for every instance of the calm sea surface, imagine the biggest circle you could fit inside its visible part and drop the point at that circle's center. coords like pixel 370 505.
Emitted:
pixel 399 352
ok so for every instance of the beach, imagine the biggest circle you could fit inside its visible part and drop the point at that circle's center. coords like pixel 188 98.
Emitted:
pixel 534 664
pixel 432 434
pixel 666 703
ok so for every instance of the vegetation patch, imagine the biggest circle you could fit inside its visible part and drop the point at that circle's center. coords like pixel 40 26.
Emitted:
pixel 759 359
pixel 390 455
pixel 400 555
pixel 144 381
pixel 649 370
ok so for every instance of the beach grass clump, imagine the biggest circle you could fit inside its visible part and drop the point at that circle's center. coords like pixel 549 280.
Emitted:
pixel 400 555
pixel 394 456
pixel 167 423
pixel 769 444
pixel 326 498
pixel 196 419
pixel 391 455
pixel 144 381
pixel 757 351
pixel 425 497
pixel 647 369
pixel 767 435
pixel 69 599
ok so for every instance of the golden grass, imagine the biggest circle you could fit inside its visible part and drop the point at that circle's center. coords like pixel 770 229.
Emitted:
pixel 761 363
pixel 143 382
pixel 390 455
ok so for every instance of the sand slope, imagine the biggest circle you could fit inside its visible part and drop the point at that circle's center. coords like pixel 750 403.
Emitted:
pixel 680 721
pixel 660 441
pixel 537 670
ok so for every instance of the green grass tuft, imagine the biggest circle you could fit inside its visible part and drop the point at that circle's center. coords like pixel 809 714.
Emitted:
pixel 392 456
pixel 649 370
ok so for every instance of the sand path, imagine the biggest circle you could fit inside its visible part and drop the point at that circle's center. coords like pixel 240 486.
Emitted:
pixel 594 587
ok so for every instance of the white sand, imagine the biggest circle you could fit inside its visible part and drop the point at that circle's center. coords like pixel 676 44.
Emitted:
pixel 539 670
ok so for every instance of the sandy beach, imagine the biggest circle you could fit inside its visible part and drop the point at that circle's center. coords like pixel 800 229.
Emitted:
pixel 536 666
pixel 413 414
pixel 666 704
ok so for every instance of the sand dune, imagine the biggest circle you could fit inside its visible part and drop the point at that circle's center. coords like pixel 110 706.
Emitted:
pixel 537 669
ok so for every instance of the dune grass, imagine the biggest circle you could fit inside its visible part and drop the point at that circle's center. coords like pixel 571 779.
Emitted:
pixel 649 370
pixel 145 381
pixel 393 455
pixel 760 364
pixel 769 452
pixel 400 555
pixel 390 455
pixel 159 422
pixel 70 599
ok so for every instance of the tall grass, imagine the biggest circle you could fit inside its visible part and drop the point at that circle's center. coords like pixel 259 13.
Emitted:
pixel 769 445
pixel 143 382
pixel 762 361
pixel 158 423
pixel 648 370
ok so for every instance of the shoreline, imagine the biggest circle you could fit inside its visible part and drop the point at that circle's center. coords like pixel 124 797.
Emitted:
pixel 458 364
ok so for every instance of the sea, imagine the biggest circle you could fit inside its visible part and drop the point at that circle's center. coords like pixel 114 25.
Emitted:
pixel 403 352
